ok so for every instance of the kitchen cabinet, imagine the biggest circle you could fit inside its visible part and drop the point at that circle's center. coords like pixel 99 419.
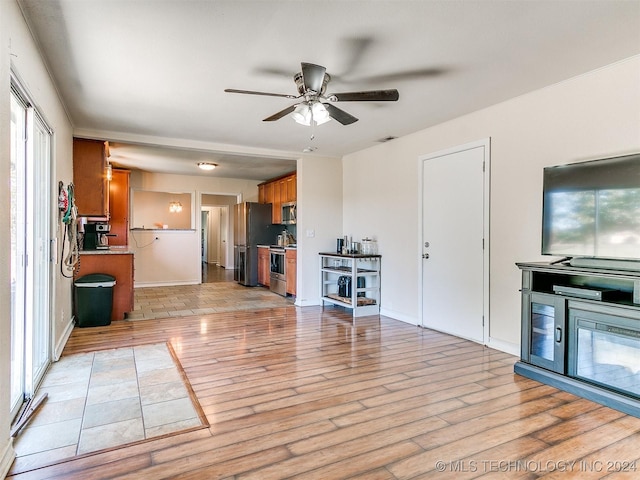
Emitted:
pixel 351 281
pixel 119 207
pixel 264 270
pixel 265 193
pixel 290 270
pixel 291 188
pixel 117 264
pixel 276 192
pixel 90 182
pixel 276 210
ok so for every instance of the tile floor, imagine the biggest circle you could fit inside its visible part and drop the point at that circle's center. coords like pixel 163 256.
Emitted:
pixel 104 399
pixel 221 294
pixel 108 398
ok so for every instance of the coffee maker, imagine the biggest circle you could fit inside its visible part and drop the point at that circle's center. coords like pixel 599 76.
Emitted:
pixel 96 236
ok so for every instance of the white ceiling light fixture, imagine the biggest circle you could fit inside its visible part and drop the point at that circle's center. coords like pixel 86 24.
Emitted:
pixel 310 112
pixel 206 166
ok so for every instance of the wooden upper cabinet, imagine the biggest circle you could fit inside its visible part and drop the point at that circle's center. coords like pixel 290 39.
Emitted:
pixel 268 193
pixel 276 192
pixel 291 188
pixel 276 210
pixel 119 207
pixel 90 178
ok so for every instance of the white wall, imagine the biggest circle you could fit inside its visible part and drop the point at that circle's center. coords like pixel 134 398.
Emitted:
pixel 18 48
pixel 319 220
pixel 587 117
pixel 151 210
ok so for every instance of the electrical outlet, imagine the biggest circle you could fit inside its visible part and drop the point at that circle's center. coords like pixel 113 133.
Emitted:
pixel 311 233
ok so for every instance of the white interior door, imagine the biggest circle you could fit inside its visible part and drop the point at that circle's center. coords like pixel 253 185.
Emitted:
pixel 454 222
pixel 226 246
pixel 214 236
pixel 204 234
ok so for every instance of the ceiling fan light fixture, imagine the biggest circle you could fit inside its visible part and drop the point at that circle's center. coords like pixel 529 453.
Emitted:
pixel 206 165
pixel 306 114
pixel 302 114
pixel 320 113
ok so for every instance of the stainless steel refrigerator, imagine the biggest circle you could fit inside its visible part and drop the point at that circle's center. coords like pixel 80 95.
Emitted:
pixel 252 228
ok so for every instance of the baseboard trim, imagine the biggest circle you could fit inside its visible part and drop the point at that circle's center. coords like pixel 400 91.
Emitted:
pixel 399 316
pixel 506 347
pixel 306 303
pixel 165 284
pixel 8 456
pixel 63 340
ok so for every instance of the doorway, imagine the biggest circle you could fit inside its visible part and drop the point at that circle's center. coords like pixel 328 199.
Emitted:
pixel 455 241
pixel 215 243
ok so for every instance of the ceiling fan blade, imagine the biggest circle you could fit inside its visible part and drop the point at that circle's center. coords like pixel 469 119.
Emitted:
pixel 280 114
pixel 340 115
pixel 251 92
pixel 370 96
pixel 313 76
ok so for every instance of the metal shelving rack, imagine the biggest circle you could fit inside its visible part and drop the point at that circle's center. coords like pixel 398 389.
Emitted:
pixel 363 300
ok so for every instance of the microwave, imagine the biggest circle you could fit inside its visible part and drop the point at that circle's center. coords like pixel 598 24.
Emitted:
pixel 289 213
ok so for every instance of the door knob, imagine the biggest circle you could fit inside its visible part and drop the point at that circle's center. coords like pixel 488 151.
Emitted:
pixel 425 255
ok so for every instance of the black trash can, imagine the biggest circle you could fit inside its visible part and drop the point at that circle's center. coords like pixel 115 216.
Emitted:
pixel 94 299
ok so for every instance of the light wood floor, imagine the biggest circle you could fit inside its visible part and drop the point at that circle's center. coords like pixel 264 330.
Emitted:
pixel 298 393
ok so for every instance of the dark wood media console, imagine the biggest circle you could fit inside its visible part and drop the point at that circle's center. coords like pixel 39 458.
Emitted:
pixel 581 332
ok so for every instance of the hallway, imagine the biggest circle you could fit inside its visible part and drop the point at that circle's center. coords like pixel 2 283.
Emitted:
pixel 213 273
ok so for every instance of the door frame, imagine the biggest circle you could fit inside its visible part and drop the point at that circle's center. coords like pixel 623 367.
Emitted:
pixel 36 121
pixel 486 145
pixel 225 243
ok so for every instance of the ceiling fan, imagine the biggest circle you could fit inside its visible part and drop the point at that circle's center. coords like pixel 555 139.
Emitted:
pixel 314 108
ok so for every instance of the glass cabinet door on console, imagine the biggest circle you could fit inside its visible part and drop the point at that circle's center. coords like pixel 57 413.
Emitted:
pixel 605 349
pixel 545 345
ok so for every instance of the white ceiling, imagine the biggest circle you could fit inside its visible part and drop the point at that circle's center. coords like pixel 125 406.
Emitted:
pixel 154 72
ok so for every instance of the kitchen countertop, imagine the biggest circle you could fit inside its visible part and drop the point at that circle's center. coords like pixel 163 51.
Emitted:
pixel 115 250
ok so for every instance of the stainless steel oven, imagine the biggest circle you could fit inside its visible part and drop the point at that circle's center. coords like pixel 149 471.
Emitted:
pixel 278 280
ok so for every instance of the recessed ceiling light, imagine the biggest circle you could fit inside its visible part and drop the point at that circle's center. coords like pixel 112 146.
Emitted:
pixel 206 165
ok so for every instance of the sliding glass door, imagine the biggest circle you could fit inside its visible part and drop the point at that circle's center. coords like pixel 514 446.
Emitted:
pixel 30 251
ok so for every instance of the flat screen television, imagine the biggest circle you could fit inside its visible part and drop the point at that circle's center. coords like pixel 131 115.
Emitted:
pixel 592 209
